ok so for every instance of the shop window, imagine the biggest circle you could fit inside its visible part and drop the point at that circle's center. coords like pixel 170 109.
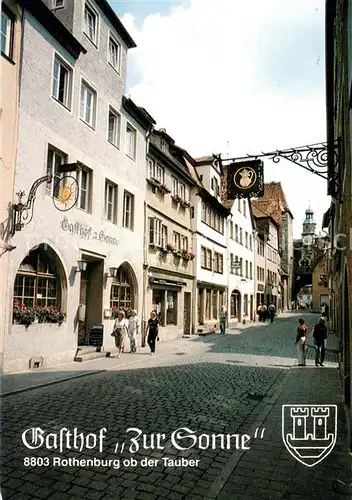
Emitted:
pixel 158 306
pixel 208 304
pixel 171 308
pixel 215 304
pixel 36 283
pixel 121 295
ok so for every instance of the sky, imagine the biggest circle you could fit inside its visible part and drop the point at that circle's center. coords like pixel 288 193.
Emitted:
pixel 235 77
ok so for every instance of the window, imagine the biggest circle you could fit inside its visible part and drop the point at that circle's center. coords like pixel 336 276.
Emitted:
pixel 114 54
pixel 215 186
pixel 239 204
pixel 250 242
pixel 157 233
pixel 251 270
pixel 36 282
pixel 182 190
pixel 58 4
pixel 110 201
pixel 246 239
pixel 7 28
pixel 244 208
pixel 84 179
pixel 212 219
pixel 241 236
pixel 236 232
pixel 62 82
pixel 128 210
pixel 237 268
pixel 206 257
pixel 90 24
pixel 174 187
pixel 171 308
pixel 218 263
pixel 246 275
pixel 114 127
pixel 55 159
pixel 131 141
pixel 241 266
pixel 176 240
pixel 122 293
pixel 88 104
pixel 155 171
pixel 184 243
pixel 163 236
pixel 231 229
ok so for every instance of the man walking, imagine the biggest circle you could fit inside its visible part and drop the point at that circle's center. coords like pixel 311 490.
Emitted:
pixel 320 335
pixel 272 312
pixel 222 318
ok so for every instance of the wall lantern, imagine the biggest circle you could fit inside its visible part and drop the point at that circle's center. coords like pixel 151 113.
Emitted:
pixel 113 272
pixel 82 266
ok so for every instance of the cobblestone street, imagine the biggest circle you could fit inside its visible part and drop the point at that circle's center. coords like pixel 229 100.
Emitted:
pixel 232 384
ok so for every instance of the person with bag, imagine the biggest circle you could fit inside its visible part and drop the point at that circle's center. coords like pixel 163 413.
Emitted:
pixel 320 334
pixel 302 334
pixel 133 326
pixel 119 332
pixel 152 331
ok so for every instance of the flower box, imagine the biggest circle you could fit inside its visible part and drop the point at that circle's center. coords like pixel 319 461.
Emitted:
pixel 164 189
pixel 184 203
pixel 176 198
pixel 23 315
pixel 154 182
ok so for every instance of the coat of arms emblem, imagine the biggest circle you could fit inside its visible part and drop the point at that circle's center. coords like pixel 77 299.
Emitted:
pixel 309 431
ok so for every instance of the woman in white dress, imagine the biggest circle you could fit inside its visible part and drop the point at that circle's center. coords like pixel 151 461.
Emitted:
pixel 133 326
pixel 301 339
pixel 120 331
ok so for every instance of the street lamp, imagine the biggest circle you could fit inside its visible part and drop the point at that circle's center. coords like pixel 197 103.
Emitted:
pixel 82 266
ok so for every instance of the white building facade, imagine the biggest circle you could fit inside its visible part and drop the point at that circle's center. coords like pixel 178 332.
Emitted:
pixel 241 256
pixel 210 236
pixel 87 261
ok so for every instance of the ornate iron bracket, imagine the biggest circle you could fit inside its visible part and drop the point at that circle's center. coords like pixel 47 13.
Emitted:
pixel 321 159
pixel 23 212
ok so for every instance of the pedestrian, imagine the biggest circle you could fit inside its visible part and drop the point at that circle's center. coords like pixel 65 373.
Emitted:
pixel 320 334
pixel 326 312
pixel 152 331
pixel 302 333
pixel 272 312
pixel 259 311
pixel 223 318
pixel 133 327
pixel 264 312
pixel 120 331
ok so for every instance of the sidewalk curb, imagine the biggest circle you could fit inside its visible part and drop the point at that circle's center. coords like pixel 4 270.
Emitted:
pixel 226 472
pixel 81 375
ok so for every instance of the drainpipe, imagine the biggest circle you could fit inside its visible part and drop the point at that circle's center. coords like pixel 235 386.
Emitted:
pixel 255 305
pixel 145 251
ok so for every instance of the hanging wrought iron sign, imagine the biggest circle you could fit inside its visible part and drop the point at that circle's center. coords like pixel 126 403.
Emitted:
pixel 64 195
pixel 244 179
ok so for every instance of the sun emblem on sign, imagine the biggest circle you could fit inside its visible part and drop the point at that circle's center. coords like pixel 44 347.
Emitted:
pixel 65 193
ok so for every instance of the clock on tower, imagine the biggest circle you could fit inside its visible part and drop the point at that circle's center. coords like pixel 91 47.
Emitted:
pixel 309 226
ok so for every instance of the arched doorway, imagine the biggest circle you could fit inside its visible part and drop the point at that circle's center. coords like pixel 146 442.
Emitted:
pixel 40 284
pixel 124 289
pixel 235 305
